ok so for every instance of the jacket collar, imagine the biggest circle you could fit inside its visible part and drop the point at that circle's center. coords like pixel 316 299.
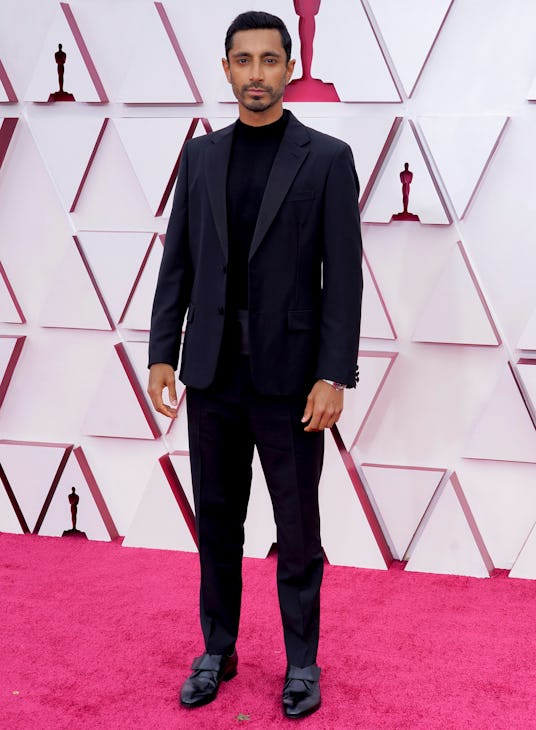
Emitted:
pixel 289 158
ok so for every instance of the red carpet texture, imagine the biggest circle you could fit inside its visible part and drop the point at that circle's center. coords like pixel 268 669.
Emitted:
pixel 94 635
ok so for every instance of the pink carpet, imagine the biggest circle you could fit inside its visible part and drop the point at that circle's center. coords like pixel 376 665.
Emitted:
pixel 95 636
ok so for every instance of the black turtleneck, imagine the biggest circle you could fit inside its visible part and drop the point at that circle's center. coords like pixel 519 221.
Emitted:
pixel 252 156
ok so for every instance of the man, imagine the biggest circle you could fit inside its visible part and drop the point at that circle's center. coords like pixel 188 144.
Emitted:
pixel 263 250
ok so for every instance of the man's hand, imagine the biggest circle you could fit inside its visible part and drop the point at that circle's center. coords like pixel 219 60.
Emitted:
pixel 323 408
pixel 162 376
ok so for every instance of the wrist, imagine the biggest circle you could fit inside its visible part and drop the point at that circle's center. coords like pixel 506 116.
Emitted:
pixel 334 385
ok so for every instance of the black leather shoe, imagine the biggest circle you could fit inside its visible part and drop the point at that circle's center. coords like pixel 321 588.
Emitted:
pixel 301 694
pixel 210 670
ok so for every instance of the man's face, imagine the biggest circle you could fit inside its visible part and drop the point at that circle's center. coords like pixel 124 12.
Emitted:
pixel 257 68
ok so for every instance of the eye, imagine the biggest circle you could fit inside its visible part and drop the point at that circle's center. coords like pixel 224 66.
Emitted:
pixel 242 61
pixel 270 60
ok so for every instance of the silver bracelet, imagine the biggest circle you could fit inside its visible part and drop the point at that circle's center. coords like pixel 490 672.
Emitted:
pixel 337 386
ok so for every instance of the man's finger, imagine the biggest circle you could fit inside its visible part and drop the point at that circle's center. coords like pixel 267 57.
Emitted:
pixel 172 390
pixel 308 412
pixel 161 407
pixel 169 412
pixel 325 420
pixel 313 424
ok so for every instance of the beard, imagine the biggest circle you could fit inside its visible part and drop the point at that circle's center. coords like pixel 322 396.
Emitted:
pixel 270 97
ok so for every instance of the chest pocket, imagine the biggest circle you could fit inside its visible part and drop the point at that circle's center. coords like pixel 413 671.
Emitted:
pixel 300 204
pixel 301 195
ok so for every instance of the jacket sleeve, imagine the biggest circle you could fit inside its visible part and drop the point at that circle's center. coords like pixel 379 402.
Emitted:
pixel 174 279
pixel 342 276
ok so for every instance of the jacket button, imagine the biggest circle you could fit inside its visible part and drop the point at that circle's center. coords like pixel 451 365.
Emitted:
pixel 221 310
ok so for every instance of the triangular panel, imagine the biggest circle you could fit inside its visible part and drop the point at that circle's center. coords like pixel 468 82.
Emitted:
pixel 67 145
pixel 357 48
pixel 374 367
pixel 527 341
pixel 376 321
pixel 166 213
pixel 154 146
pixel 402 494
pixel 110 196
pixel 116 259
pixel 8 517
pixel 504 430
pixel 386 197
pixel 527 370
pixel 410 30
pixel 119 407
pixel 122 473
pixel 159 521
pixel 31 469
pixel 456 312
pixel 200 127
pixel 525 374
pixel 449 542
pixel 503 500
pixel 369 137
pixel 33 242
pixel 180 461
pixel 7 129
pixel 73 300
pixel 10 310
pixel 157 73
pixel 462 148
pixel 10 350
pixel 138 313
pixel 525 564
pixel 92 515
pixel 7 92
pixel 217 123
pixel 81 78
pixel 347 537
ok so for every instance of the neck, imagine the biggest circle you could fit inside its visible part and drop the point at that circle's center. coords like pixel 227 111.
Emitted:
pixel 260 119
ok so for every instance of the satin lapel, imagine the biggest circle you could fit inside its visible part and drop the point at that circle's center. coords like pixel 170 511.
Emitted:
pixel 289 158
pixel 217 163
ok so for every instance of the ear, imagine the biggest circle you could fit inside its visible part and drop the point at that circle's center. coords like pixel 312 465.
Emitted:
pixel 290 70
pixel 226 69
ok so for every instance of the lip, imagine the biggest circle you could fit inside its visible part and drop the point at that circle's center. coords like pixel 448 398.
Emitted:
pixel 257 91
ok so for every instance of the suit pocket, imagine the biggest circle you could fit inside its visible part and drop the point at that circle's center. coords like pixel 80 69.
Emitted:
pixel 301 319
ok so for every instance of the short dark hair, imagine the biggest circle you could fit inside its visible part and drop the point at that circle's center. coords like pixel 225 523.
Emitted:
pixel 258 20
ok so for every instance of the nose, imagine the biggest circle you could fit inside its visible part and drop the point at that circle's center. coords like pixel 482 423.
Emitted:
pixel 256 72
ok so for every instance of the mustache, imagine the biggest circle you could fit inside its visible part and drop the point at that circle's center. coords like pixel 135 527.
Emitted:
pixel 261 87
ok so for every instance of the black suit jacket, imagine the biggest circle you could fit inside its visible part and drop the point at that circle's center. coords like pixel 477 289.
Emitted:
pixel 305 279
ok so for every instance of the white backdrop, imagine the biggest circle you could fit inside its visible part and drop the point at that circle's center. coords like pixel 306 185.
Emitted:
pixel 434 462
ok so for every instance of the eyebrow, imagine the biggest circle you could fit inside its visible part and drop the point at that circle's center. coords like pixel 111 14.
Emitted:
pixel 241 54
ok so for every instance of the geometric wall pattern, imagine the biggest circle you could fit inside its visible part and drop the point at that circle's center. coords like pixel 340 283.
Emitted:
pixel 433 462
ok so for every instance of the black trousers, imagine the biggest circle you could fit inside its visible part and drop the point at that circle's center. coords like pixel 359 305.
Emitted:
pixel 225 422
